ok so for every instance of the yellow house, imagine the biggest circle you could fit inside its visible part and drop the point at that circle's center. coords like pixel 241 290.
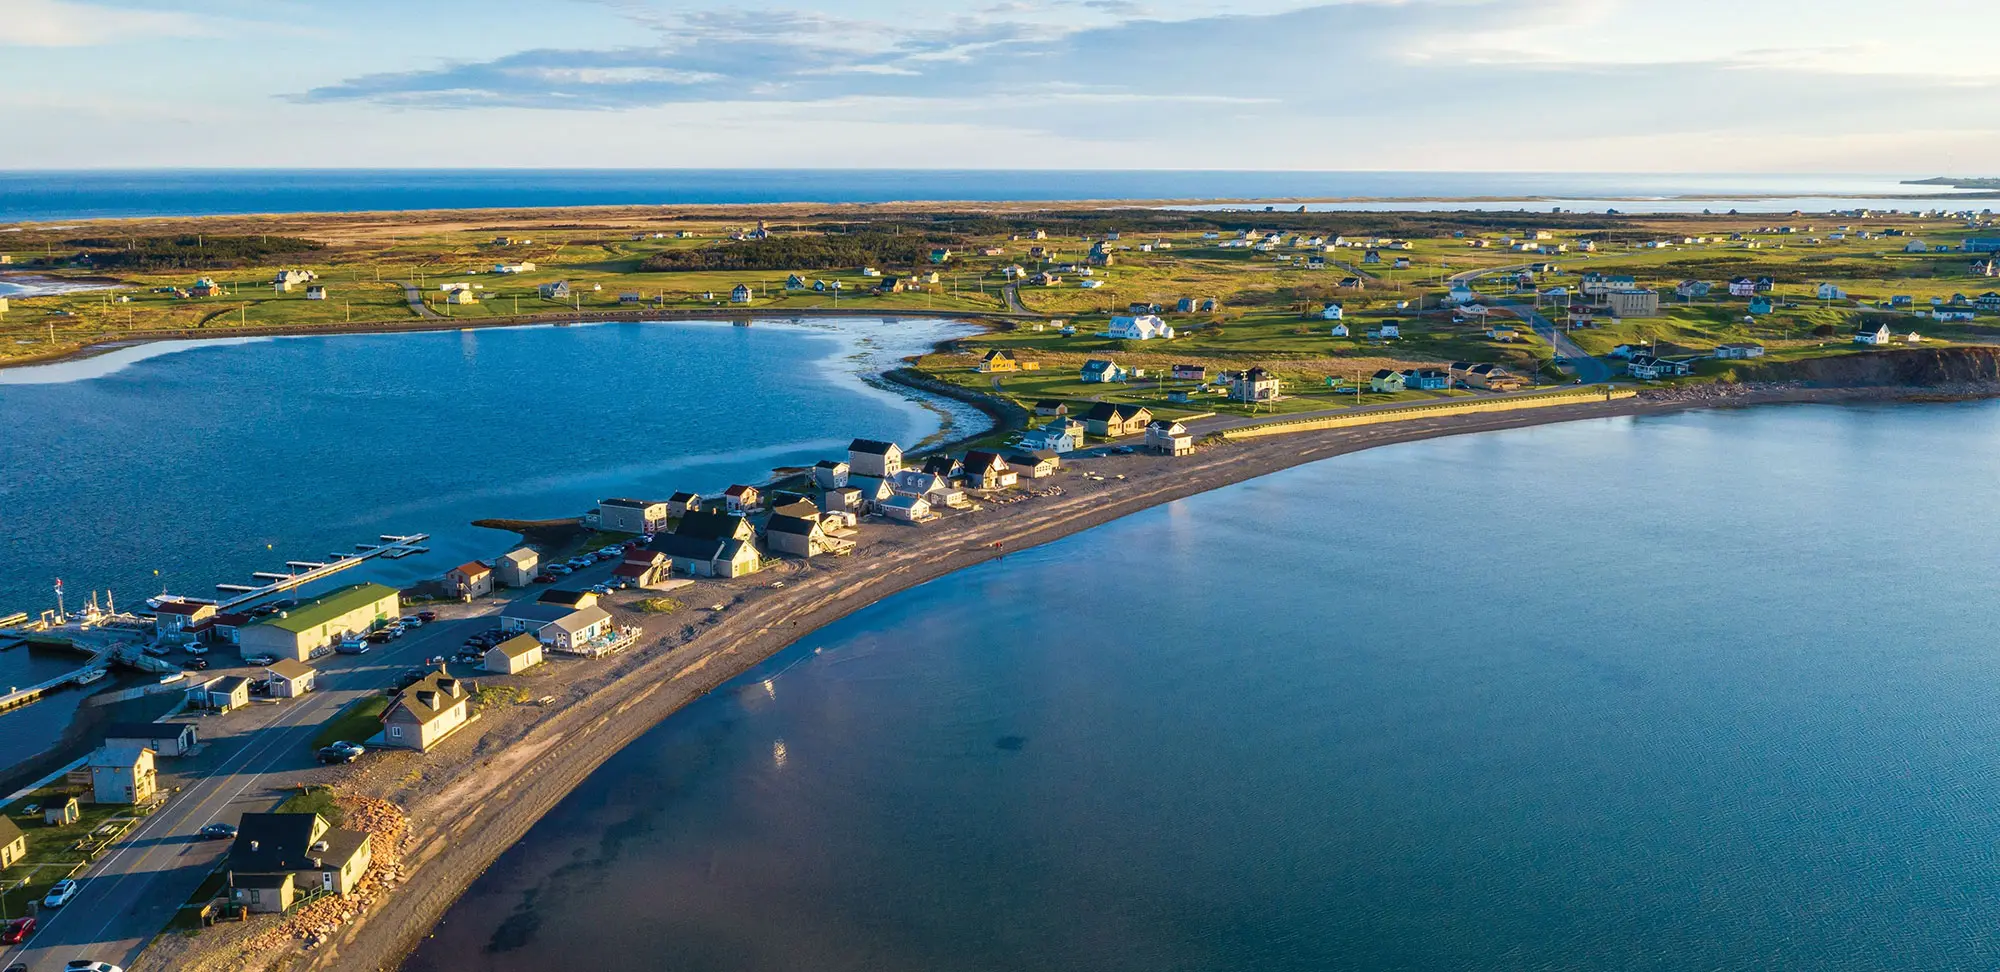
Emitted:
pixel 122 774
pixel 13 843
pixel 426 712
pixel 278 856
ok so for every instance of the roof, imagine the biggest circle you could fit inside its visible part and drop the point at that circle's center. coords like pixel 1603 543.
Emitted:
pixel 1099 364
pixel 520 556
pixel 872 447
pixel 1000 355
pixel 628 504
pixel 289 669
pixel 329 606
pixel 792 525
pixel 181 607
pixel 1033 457
pixel 429 697
pixel 517 646
pixel 537 612
pixel 708 525
pixel 633 568
pixel 9 831
pixel 233 619
pixel 905 502
pixel 979 461
pixel 271 842
pixel 119 755
pixel 739 490
pixel 1386 373
pixel 582 618
pixel 684 497
pixel 829 464
pixel 146 730
pixel 471 568
pixel 687 547
pixel 1103 411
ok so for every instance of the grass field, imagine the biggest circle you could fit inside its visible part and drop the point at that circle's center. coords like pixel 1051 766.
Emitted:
pixel 361 719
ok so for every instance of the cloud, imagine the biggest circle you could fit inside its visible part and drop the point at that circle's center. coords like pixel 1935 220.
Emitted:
pixel 64 23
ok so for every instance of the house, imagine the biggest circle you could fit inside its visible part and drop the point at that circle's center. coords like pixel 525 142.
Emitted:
pixel 1109 420
pixel 1253 385
pixel 944 467
pixel 289 678
pixel 163 738
pixel 122 774
pixel 988 470
pixel 830 473
pixel 278 858
pixel 1332 312
pixel 1371 256
pixel 1168 438
pixel 1943 314
pixel 909 509
pixel 315 292
pixel 1742 287
pixel 1050 406
pixel 644 568
pixel 682 503
pixel 742 499
pixel 935 489
pixel 799 536
pixel 1634 302
pixel 1056 437
pixel 1902 300
pixel 1426 379
pixel 577 630
pixel 795 282
pixel 1386 380
pixel 1353 283
pixel 1766 284
pixel 1827 291
pixel 317 624
pixel 1338 330
pixel 622 515
pixel 1460 294
pixel 712 525
pixel 1316 262
pixel 1189 372
pixel 174 620
pixel 1600 284
pixel 999 361
pixel 1038 464
pixel 1916 246
pixel 464 296
pixel 1988 301
pixel 427 711
pixel 739 294
pixel 13 843
pixel 1650 367
pixel 1098 370
pixel 1873 334
pixel 1387 330
pixel 1693 288
pixel 517 568
pixel 286 279
pixel 1760 305
pixel 1501 333
pixel 1490 377
pixel 632 297
pixel 469 580
pixel 868 457
pixel 205 287
pixel 1144 327
pixel 1210 305
pixel 219 694
pixel 1728 352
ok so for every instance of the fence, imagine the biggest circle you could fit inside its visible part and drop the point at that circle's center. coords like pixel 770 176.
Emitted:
pixel 1407 413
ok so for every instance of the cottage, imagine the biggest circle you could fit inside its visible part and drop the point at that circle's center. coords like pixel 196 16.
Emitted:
pixel 1386 380
pixel 1254 385
pixel 1168 438
pixel 742 499
pixel 1051 406
pixel 427 711
pixel 706 544
pixel 1338 330
pixel 999 360
pixel 908 509
pixel 1426 379
pixel 13 843
pixel 517 568
pixel 1872 334
pixel 1189 372
pixel 988 470
pixel 795 282
pixel 1037 464
pixel 1501 333
pixel 1649 367
pixel 122 774
pixel 1332 312
pixel 1765 285
pixel 1352 283
pixel 1942 314
pixel 279 857
pixel 1210 305
pixel 1760 305
pixel 1098 370
pixel 1144 327
pixel 1827 291
pixel 315 292
pixel 935 489
pixel 289 678
pixel 1738 351
pixel 945 467
pixel 1490 377
pixel 868 457
pixel 469 580
pixel 1387 330
pixel 644 568
pixel 462 296
pixel 622 515
pixel 576 631
pixel 1461 294
pixel 163 738
pixel 1692 288
pixel 1988 301
pixel 830 473
pixel 1110 420
pixel 1742 287
pixel 176 620
pixel 799 536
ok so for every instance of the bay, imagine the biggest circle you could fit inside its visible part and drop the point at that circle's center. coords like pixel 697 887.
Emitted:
pixel 1710 690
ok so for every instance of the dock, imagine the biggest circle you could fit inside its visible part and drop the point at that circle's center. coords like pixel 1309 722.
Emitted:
pixel 302 572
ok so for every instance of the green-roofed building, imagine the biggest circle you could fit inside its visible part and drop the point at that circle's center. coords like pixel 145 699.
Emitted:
pixel 321 622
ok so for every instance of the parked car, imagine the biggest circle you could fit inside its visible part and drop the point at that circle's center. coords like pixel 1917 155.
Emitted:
pixel 545 578
pixel 198 664
pixel 61 892
pixel 353 646
pixel 157 651
pixel 17 931
pixel 379 637
pixel 341 752
pixel 561 571
pixel 410 621
pixel 86 965
pixel 260 659
pixel 197 650
pixel 612 552
pixel 600 589
pixel 218 831
pixel 427 616
pixel 261 686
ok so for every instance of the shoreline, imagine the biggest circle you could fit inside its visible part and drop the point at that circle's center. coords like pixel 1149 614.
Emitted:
pixel 517 771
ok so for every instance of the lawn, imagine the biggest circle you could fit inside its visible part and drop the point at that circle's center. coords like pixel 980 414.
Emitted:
pixel 55 852
pixel 355 723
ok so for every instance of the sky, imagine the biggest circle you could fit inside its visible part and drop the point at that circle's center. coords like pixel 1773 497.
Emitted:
pixel 1824 86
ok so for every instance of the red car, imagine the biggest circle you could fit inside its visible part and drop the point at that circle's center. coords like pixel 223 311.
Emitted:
pixel 17 931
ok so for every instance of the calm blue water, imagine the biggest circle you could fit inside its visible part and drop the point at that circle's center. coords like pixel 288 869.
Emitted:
pixel 45 196
pixel 1710 691
pixel 221 458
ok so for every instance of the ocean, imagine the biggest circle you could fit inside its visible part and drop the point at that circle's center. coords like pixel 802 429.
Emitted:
pixel 1713 690
pixel 179 465
pixel 42 196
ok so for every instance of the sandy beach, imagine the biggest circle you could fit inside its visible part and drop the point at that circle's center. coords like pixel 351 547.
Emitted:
pixel 476 795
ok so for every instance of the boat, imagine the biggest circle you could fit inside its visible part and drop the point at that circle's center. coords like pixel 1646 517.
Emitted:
pixel 88 676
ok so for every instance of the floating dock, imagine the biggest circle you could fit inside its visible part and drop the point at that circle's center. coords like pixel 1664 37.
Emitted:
pixel 303 572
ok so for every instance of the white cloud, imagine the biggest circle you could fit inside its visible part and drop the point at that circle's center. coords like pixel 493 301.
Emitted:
pixel 65 23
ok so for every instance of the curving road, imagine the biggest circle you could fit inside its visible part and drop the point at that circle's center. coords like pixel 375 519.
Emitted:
pixel 1591 369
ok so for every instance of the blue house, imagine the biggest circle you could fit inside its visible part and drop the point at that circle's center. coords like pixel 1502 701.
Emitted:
pixel 1761 305
pixel 1426 379
pixel 1099 370
pixel 795 282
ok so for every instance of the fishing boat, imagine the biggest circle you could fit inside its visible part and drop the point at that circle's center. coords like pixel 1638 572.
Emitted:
pixel 88 676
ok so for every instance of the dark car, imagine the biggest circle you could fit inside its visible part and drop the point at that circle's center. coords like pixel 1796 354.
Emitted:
pixel 17 931
pixel 379 637
pixel 411 676
pixel 197 663
pixel 218 831
pixel 427 616
pixel 340 752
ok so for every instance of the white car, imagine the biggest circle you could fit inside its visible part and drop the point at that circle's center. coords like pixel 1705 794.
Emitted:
pixel 86 965
pixel 410 621
pixel 60 893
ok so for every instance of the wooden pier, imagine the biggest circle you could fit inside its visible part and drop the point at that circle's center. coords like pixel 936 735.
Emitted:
pixel 307 571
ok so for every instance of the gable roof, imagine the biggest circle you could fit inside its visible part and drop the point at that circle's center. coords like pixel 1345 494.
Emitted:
pixel 536 612
pixel 568 599
pixel 267 842
pixel 709 525
pixel 798 526
pixel 979 461
pixel 688 547
pixel 9 831
pixel 429 697
pixel 328 606
pixel 872 447
pixel 290 669
pixel 582 618
pixel 471 568
pixel 517 646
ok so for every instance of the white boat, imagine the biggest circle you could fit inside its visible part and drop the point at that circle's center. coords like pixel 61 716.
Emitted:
pixel 172 677
pixel 85 678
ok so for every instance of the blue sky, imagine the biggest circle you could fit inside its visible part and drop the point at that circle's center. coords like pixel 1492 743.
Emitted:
pixel 1548 85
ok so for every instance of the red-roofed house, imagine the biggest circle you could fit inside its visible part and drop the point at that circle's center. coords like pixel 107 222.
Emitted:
pixel 468 580
pixel 742 499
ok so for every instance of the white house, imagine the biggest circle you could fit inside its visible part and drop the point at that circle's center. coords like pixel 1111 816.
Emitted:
pixel 1143 327
pixel 1829 291
pixel 1461 294
pixel 1730 351
pixel 1333 312
pixel 1879 334
pixel 1338 330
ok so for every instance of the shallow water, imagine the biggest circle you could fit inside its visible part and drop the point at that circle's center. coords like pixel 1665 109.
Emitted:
pixel 1712 690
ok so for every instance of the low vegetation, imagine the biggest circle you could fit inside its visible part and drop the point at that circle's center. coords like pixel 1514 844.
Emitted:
pixel 361 719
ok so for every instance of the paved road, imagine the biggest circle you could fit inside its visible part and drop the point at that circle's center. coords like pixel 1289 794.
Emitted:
pixel 1591 369
pixel 416 299
pixel 1221 422
pixel 1011 293
pixel 129 895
